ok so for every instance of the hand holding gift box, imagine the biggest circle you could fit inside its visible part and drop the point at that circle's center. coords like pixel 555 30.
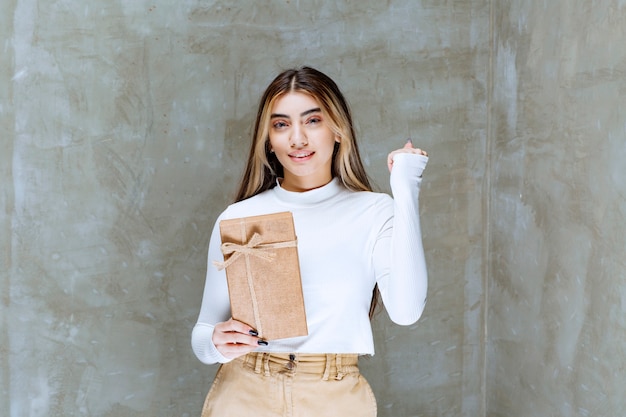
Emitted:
pixel 263 274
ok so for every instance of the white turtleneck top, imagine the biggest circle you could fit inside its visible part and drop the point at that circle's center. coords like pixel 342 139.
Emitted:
pixel 347 242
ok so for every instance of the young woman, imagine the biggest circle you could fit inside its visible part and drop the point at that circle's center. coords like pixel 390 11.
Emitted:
pixel 353 244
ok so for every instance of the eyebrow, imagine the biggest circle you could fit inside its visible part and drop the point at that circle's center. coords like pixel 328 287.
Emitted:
pixel 304 113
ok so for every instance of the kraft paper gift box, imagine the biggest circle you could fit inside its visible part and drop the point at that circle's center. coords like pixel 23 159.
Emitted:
pixel 263 274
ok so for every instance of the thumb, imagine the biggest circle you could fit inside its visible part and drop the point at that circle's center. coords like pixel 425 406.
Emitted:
pixel 408 144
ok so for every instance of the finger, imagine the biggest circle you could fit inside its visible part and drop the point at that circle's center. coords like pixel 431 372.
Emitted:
pixel 220 336
pixel 233 325
pixel 234 351
pixel 234 332
pixel 419 151
pixel 408 144
pixel 410 149
pixel 393 154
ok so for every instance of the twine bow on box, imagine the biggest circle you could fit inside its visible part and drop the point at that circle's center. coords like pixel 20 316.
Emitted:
pixel 254 247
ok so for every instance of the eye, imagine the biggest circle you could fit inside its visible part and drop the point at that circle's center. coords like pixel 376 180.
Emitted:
pixel 279 124
pixel 314 120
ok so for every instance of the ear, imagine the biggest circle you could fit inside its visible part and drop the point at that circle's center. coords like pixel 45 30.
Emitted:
pixel 337 138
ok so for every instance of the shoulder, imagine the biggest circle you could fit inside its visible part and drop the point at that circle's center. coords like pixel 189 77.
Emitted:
pixel 252 206
pixel 370 200
pixel 370 196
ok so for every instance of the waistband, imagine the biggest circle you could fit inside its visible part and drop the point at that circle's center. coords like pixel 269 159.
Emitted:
pixel 326 366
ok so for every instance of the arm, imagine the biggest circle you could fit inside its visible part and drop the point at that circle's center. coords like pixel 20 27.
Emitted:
pixel 399 253
pixel 215 337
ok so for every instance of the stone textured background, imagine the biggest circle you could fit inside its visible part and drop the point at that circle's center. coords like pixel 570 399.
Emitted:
pixel 557 287
pixel 123 131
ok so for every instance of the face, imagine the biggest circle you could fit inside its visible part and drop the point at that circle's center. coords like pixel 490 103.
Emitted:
pixel 302 140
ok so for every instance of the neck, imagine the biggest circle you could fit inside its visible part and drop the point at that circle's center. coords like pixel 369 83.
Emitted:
pixel 289 184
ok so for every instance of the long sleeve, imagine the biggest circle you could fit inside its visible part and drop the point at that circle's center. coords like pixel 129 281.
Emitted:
pixel 202 344
pixel 215 306
pixel 399 253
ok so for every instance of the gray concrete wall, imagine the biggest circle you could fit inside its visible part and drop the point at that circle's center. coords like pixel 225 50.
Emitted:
pixel 557 329
pixel 124 127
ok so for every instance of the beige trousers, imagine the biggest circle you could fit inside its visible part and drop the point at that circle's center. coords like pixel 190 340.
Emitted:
pixel 284 385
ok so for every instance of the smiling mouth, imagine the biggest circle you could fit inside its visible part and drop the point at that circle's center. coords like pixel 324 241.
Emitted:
pixel 300 155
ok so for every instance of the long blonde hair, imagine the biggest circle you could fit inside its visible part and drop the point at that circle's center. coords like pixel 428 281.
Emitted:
pixel 262 168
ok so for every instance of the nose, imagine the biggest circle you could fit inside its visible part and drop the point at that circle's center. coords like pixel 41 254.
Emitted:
pixel 298 137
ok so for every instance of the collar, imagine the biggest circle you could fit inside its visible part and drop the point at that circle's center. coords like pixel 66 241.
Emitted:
pixel 311 197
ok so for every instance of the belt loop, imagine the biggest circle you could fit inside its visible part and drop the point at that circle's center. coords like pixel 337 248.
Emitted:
pixel 340 370
pixel 266 363
pixel 327 368
pixel 257 362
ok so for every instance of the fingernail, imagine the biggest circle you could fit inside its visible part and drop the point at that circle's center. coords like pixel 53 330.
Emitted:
pixel 409 140
pixel 253 333
pixel 262 342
